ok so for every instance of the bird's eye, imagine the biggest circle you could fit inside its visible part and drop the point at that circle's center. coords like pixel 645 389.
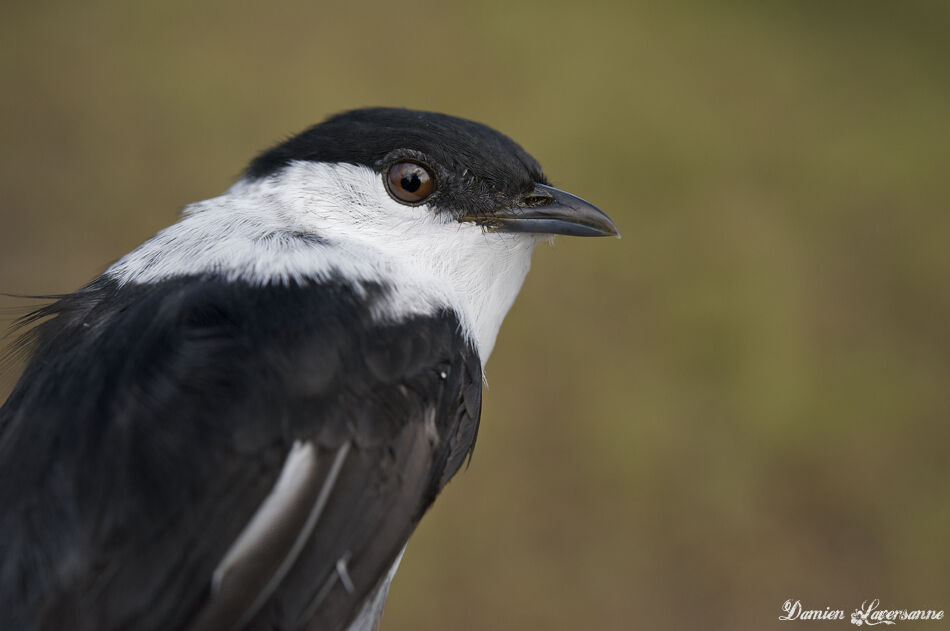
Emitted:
pixel 409 183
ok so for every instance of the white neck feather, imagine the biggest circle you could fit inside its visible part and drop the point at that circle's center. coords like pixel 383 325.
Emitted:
pixel 317 220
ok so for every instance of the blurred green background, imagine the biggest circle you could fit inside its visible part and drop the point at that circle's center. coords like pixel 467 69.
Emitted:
pixel 744 400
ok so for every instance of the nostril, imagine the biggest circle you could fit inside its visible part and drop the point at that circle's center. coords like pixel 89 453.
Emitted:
pixel 534 200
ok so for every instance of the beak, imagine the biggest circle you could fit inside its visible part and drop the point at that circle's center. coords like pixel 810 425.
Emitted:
pixel 547 210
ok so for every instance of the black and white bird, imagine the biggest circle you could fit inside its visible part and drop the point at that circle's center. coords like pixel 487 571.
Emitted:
pixel 239 424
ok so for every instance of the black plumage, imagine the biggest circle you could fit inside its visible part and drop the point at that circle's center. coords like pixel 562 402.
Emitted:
pixel 125 524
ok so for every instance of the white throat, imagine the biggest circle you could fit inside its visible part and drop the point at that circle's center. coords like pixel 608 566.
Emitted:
pixel 319 220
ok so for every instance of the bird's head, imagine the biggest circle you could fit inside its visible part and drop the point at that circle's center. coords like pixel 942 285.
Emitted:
pixel 434 169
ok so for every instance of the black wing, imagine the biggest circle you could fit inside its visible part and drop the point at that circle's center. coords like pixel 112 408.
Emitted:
pixel 154 421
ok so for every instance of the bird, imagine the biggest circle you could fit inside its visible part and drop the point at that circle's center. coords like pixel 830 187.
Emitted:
pixel 238 425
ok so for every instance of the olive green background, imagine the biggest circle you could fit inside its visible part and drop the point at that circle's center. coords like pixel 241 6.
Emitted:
pixel 744 400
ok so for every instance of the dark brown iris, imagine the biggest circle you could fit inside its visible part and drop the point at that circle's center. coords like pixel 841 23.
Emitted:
pixel 409 182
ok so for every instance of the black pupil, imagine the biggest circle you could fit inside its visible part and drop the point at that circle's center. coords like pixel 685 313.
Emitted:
pixel 411 182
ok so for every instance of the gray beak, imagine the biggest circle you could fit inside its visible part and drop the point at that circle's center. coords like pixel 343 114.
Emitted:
pixel 547 210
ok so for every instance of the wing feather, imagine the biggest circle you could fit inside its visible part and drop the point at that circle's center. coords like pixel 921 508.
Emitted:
pixel 267 548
